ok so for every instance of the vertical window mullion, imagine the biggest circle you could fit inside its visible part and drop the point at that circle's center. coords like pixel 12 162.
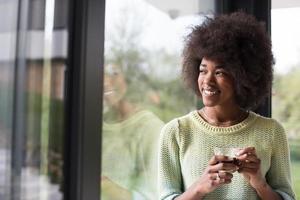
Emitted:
pixel 84 100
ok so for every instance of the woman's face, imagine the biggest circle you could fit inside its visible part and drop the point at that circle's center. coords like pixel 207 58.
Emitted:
pixel 215 84
pixel 115 85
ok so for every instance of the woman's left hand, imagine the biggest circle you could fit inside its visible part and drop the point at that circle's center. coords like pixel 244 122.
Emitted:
pixel 250 167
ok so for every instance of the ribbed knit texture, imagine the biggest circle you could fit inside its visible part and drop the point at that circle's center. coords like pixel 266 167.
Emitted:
pixel 187 143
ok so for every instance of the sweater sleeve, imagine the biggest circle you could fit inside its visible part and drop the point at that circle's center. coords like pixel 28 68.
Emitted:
pixel 279 174
pixel 169 170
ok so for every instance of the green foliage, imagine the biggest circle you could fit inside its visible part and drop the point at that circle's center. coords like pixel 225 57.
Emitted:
pixel 55 134
pixel 175 100
pixel 285 104
pixel 286 101
pixel 295 149
pixel 296 177
pixel 146 70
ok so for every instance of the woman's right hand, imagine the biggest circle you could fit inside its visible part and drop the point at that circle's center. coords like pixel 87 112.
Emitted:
pixel 216 174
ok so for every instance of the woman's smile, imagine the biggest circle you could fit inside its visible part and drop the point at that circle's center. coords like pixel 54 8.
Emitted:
pixel 208 92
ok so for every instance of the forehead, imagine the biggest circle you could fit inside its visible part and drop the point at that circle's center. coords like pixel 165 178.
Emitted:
pixel 111 69
pixel 208 62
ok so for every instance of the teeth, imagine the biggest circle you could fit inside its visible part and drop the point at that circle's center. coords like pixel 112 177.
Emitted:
pixel 108 92
pixel 209 93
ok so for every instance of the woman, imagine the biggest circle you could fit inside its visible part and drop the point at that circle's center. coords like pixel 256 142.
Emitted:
pixel 227 62
pixel 129 153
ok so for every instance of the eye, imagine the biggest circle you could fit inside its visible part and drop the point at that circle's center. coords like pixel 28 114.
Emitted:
pixel 202 71
pixel 221 73
pixel 115 73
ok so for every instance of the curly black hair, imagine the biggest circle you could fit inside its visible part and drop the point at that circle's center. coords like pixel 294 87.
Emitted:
pixel 242 45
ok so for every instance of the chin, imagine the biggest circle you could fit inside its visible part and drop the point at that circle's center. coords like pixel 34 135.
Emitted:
pixel 209 104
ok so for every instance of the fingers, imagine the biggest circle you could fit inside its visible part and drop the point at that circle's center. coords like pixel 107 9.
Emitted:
pixel 249 158
pixel 230 167
pixel 217 158
pixel 247 150
pixel 248 155
pixel 222 163
pixel 250 163
pixel 225 175
pixel 221 175
pixel 220 178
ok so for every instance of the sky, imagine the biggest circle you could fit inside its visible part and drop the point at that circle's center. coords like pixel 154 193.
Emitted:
pixel 285 34
pixel 158 31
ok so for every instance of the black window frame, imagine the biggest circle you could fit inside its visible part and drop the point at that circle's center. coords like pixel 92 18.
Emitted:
pixel 84 83
pixel 261 9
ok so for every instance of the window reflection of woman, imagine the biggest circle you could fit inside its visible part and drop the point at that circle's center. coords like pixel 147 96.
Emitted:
pixel 115 88
pixel 227 62
pixel 129 141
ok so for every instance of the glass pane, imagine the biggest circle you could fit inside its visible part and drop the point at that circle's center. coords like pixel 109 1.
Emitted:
pixel 142 90
pixel 286 93
pixel 8 29
pixel 32 98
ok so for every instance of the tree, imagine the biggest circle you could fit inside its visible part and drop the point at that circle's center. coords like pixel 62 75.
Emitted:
pixel 286 101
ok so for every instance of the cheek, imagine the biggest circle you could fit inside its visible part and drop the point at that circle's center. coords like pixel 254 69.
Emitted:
pixel 108 82
pixel 229 88
pixel 122 86
pixel 199 80
pixel 199 85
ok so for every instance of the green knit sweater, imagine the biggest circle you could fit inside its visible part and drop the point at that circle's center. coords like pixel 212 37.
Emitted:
pixel 187 143
pixel 129 154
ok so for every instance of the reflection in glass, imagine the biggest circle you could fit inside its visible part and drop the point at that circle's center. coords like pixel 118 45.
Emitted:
pixel 143 45
pixel 7 54
pixel 286 93
pixel 32 64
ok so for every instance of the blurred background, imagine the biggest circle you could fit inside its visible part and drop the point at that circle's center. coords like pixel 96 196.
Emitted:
pixel 140 88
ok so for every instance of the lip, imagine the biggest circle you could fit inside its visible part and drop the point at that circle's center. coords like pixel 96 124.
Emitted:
pixel 109 92
pixel 209 91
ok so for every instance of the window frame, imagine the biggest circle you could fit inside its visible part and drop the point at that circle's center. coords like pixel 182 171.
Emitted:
pixel 261 9
pixel 84 83
pixel 84 91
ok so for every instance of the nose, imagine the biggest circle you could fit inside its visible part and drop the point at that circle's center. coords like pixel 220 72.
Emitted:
pixel 107 81
pixel 209 78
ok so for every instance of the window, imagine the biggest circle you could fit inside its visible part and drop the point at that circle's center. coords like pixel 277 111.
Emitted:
pixel 32 63
pixel 142 88
pixel 286 93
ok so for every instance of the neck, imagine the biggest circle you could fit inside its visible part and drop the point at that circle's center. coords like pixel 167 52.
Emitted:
pixel 125 110
pixel 223 117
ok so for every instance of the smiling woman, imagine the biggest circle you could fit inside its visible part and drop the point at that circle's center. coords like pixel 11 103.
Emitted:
pixel 227 62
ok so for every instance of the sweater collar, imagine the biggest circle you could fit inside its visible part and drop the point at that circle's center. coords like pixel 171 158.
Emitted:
pixel 224 130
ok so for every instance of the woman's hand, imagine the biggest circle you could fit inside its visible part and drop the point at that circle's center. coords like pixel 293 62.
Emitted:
pixel 250 167
pixel 216 174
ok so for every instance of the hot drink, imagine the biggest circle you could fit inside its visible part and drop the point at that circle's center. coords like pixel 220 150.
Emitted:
pixel 235 161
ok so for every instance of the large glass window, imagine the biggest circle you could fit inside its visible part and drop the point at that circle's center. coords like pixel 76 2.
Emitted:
pixel 142 89
pixel 8 9
pixel 286 94
pixel 33 52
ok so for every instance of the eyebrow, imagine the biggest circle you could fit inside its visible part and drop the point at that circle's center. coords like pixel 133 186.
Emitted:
pixel 217 66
